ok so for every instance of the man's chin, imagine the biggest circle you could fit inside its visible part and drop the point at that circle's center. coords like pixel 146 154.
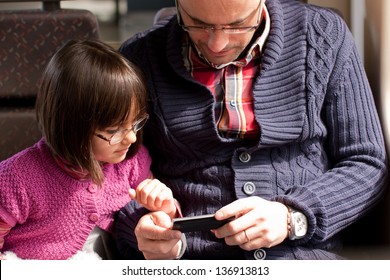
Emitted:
pixel 221 59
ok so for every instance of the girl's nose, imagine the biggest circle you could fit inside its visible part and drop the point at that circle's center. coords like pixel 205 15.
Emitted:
pixel 130 137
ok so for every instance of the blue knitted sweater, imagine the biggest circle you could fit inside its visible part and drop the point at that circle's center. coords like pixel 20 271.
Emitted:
pixel 320 150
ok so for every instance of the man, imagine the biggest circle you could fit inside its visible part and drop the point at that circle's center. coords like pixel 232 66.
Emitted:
pixel 260 111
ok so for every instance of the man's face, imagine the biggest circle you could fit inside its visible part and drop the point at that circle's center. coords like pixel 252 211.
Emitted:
pixel 217 46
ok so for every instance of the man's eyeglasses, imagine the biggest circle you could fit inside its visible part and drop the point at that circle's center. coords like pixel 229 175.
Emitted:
pixel 118 135
pixel 209 29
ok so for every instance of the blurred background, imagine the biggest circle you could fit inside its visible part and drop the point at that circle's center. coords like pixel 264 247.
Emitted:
pixel 120 19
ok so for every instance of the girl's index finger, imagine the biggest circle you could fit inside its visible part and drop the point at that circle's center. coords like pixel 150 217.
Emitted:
pixel 133 194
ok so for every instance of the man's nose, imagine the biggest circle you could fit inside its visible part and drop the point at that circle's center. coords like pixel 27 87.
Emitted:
pixel 217 40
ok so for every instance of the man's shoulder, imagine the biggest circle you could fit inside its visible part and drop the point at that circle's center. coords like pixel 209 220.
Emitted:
pixel 311 12
pixel 325 15
pixel 328 24
pixel 141 39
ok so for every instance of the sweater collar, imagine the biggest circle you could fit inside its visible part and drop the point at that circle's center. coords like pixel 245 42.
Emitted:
pixel 73 171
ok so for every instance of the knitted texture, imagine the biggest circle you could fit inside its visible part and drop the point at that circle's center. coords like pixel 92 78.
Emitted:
pixel 51 213
pixel 321 148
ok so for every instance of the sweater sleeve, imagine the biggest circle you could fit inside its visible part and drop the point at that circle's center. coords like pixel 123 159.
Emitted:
pixel 4 230
pixel 14 201
pixel 356 178
pixel 125 224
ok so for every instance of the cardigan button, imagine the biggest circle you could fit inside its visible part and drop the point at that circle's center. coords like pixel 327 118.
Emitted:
pixel 92 188
pixel 244 157
pixel 259 254
pixel 249 188
pixel 94 217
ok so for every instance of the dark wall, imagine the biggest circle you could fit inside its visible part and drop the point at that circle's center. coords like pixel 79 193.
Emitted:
pixel 149 4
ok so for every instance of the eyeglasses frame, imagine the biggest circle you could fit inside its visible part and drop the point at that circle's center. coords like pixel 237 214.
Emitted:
pixel 126 131
pixel 208 29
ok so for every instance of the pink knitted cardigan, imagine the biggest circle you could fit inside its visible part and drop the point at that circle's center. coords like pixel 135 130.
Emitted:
pixel 51 213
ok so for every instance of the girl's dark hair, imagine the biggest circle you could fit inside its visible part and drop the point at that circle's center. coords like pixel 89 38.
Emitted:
pixel 86 86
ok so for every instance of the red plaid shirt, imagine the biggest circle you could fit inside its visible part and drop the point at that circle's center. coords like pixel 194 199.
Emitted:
pixel 231 85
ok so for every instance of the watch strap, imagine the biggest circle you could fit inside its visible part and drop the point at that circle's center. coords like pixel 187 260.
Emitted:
pixel 291 223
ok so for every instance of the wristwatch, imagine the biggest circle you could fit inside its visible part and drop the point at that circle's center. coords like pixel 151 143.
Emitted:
pixel 297 224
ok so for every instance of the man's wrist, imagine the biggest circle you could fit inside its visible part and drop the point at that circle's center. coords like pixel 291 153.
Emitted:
pixel 296 224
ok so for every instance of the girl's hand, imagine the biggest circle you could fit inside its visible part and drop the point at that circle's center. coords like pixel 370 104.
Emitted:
pixel 155 196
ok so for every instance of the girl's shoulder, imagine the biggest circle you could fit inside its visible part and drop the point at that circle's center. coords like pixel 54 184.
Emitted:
pixel 141 159
pixel 18 176
pixel 25 156
pixel 134 169
pixel 143 152
pixel 27 163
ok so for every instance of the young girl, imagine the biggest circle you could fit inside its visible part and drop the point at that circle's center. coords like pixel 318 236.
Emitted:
pixel 65 190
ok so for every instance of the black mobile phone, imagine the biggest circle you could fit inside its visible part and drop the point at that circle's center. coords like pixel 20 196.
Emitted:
pixel 198 223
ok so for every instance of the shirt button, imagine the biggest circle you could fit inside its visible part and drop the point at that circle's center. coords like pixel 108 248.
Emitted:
pixel 232 103
pixel 259 254
pixel 92 188
pixel 94 217
pixel 244 157
pixel 249 188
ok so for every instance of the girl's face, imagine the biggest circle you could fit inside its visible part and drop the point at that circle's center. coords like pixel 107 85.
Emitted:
pixel 104 148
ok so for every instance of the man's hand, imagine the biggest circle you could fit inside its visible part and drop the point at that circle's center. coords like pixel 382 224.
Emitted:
pixel 259 223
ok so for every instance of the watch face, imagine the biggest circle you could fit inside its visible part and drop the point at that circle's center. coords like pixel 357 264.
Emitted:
pixel 300 224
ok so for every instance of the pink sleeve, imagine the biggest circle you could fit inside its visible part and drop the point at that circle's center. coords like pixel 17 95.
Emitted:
pixel 4 230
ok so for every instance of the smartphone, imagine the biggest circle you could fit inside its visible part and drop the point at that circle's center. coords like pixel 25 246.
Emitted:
pixel 198 223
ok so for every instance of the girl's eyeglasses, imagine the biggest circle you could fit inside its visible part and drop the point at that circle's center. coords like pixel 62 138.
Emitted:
pixel 119 135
